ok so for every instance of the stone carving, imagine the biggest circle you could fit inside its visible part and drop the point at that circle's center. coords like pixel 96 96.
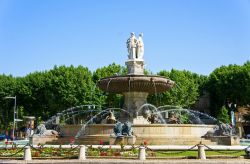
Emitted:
pixel 173 119
pixel 118 129
pixel 153 119
pixel 221 129
pixel 121 129
pixel 110 118
pixel 131 45
pixel 225 129
pixel 42 131
pixel 140 47
pixel 127 129
pixel 135 47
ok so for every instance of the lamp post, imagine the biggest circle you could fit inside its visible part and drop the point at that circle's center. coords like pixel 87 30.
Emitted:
pixel 14 120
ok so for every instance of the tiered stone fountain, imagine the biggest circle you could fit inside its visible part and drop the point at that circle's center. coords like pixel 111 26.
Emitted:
pixel 135 87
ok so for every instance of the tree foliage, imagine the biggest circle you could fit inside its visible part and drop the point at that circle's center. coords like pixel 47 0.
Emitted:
pixel 46 93
pixel 185 92
pixel 43 94
pixel 229 84
pixel 111 99
pixel 107 71
pixel 223 115
pixel 7 88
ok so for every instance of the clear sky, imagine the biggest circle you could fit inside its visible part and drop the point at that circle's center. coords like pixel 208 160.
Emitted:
pixel 196 35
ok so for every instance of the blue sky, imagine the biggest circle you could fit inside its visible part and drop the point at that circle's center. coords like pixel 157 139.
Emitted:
pixel 196 35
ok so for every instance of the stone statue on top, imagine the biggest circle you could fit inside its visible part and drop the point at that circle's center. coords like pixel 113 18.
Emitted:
pixel 135 46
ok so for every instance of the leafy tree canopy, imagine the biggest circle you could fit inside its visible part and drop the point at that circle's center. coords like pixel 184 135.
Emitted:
pixel 229 84
pixel 185 92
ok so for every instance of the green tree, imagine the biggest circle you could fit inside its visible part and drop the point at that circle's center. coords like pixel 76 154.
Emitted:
pixel 107 71
pixel 43 94
pixel 184 93
pixel 229 84
pixel 7 88
pixel 223 115
pixel 111 99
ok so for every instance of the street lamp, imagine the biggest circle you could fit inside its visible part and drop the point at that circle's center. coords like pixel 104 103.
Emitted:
pixel 14 120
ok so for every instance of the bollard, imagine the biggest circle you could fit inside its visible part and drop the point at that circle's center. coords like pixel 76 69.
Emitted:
pixel 82 153
pixel 27 153
pixel 201 152
pixel 142 153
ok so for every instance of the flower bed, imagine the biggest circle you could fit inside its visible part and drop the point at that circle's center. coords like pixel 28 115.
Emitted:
pixel 72 152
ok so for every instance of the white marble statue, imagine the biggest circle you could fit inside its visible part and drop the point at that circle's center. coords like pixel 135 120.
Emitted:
pixel 131 45
pixel 140 47
pixel 135 47
pixel 42 131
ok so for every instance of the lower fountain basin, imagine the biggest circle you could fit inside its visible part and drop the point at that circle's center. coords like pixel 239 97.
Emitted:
pixel 154 134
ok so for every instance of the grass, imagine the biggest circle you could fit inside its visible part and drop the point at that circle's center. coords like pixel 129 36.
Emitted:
pixel 194 153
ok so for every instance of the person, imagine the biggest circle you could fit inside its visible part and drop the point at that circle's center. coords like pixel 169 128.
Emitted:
pixel 140 47
pixel 7 137
pixel 28 132
pixel 131 45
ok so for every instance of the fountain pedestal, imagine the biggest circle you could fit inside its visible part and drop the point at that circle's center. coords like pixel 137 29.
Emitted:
pixel 135 66
pixel 134 100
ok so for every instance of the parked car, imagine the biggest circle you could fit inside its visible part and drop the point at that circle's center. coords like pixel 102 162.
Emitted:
pixel 3 137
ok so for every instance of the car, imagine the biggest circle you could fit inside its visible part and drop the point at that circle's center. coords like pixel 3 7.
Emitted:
pixel 2 136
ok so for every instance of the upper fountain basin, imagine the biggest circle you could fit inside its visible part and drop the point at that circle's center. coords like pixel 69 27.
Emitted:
pixel 135 83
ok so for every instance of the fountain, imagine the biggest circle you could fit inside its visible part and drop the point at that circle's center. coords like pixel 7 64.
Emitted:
pixel 141 121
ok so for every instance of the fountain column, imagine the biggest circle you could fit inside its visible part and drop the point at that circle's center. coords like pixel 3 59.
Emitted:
pixel 134 100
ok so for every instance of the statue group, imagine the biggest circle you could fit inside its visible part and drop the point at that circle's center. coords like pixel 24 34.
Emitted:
pixel 135 46
pixel 123 129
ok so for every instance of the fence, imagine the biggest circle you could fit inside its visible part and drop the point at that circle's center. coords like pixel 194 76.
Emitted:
pixel 141 152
